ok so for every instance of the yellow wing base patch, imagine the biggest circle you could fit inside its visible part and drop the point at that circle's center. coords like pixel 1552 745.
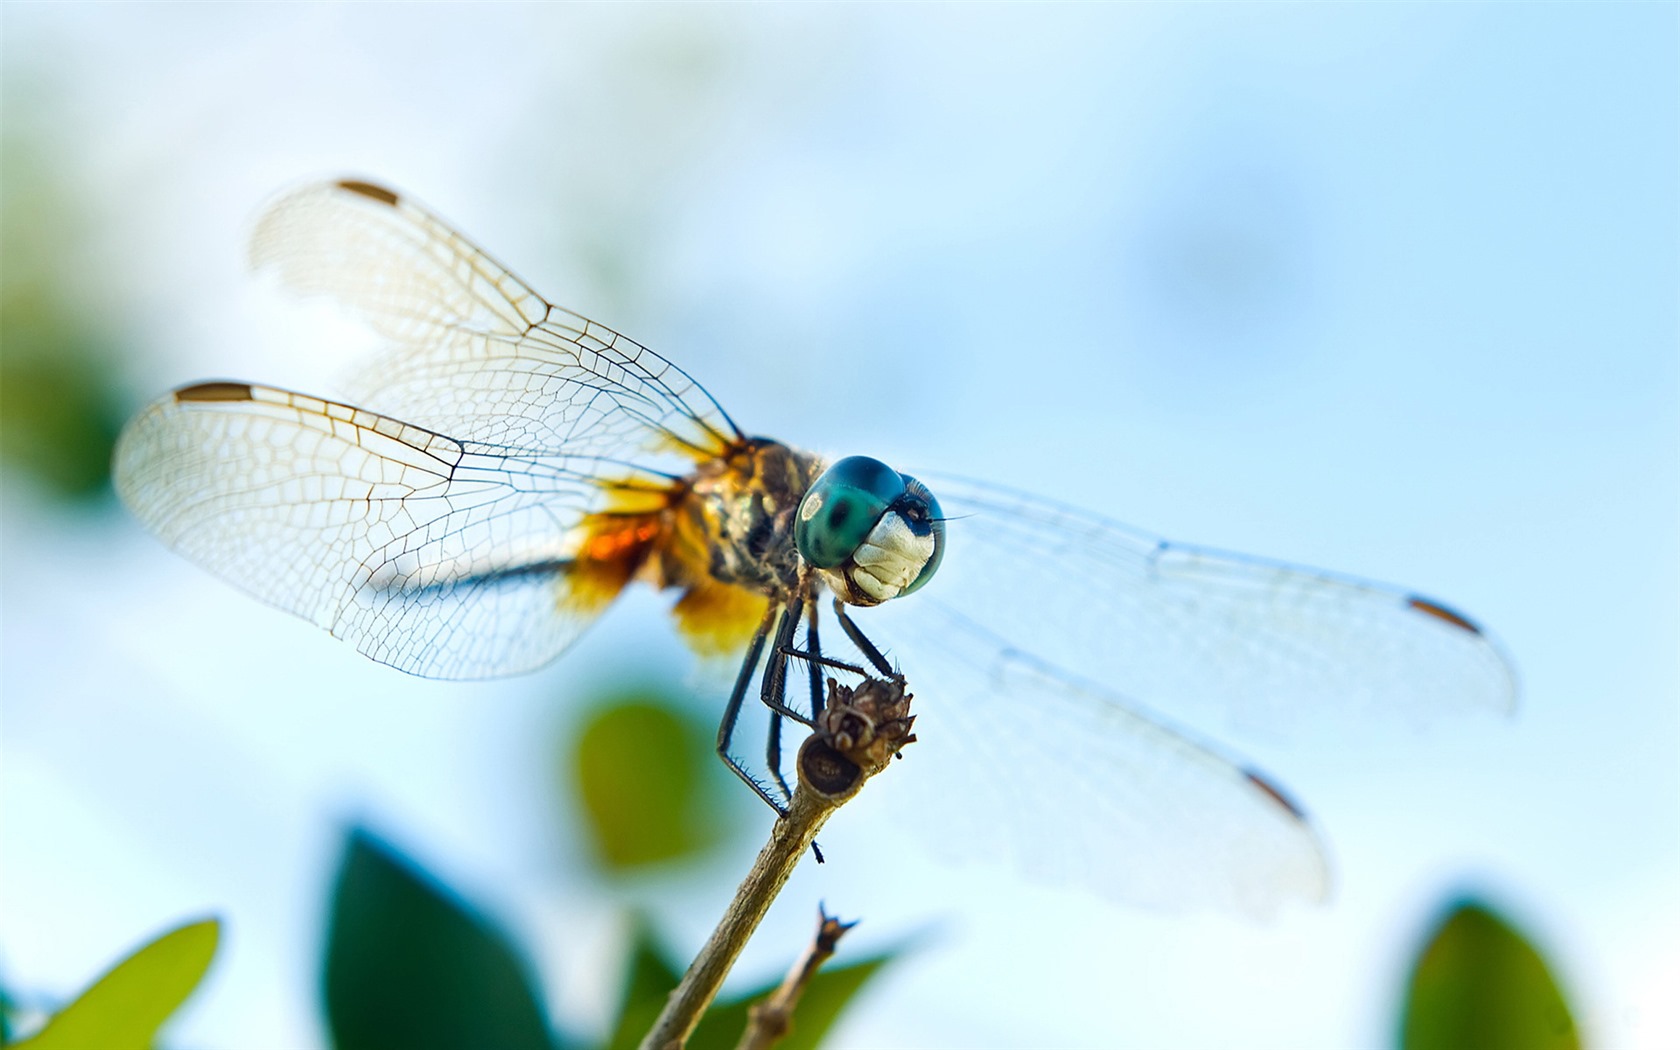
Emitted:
pixel 714 618
pixel 613 549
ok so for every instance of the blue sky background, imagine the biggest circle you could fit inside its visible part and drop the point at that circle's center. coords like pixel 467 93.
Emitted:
pixel 1385 288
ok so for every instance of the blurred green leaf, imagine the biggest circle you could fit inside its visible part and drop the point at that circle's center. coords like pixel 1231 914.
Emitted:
pixel 1479 983
pixel 652 976
pixel 60 406
pixel 124 1009
pixel 56 421
pixel 642 774
pixel 409 965
pixel 825 996
pixel 648 982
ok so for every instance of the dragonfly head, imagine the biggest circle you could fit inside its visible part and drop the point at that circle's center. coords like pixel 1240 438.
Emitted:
pixel 869 531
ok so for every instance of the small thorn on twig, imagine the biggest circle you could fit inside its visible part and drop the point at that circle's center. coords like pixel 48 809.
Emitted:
pixel 772 1019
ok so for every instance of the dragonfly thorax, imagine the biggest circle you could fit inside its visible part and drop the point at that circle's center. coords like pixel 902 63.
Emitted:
pixel 741 508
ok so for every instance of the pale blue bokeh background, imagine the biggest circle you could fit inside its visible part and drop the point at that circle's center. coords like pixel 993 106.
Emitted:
pixel 1390 289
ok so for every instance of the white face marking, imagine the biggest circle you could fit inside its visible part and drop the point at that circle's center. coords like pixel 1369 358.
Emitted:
pixel 890 559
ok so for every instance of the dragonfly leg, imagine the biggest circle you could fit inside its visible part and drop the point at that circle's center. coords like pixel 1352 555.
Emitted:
pixel 865 646
pixel 773 756
pixel 813 657
pixel 773 694
pixel 814 662
pixel 818 660
pixel 775 689
pixel 775 681
pixel 732 715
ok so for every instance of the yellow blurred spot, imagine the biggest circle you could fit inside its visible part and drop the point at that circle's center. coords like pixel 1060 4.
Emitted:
pixel 716 618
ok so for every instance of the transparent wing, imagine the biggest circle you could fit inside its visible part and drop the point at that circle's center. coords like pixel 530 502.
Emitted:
pixel 1069 784
pixel 1055 656
pixel 438 556
pixel 436 526
pixel 1199 634
pixel 474 352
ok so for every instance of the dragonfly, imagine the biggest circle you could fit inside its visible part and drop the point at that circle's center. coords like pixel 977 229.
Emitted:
pixel 504 468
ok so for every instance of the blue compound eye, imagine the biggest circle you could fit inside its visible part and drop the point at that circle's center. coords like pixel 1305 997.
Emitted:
pixel 920 508
pixel 841 508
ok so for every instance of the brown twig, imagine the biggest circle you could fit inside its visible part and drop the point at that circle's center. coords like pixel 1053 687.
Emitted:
pixel 770 1020
pixel 856 736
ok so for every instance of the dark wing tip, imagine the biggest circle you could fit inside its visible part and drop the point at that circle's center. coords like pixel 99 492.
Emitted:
pixel 1442 613
pixel 214 392
pixel 1275 793
pixel 368 189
